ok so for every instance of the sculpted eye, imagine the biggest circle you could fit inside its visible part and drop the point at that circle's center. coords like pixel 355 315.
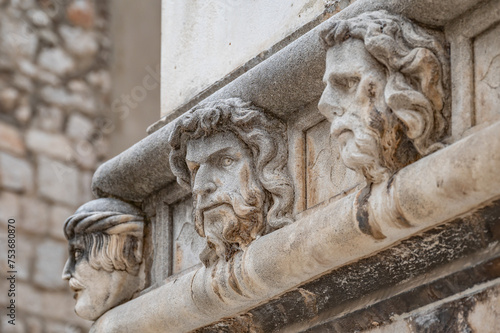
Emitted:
pixel 346 83
pixel 227 161
pixel 352 82
pixel 77 254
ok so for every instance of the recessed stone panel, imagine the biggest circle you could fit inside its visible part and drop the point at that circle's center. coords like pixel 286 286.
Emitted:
pixel 487 75
pixel 326 174
pixel 187 243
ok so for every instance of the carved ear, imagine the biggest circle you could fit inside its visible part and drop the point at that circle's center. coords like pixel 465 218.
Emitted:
pixel 424 68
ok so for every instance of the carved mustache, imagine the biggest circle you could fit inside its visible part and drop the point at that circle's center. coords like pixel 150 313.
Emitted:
pixel 241 207
pixel 75 285
pixel 238 203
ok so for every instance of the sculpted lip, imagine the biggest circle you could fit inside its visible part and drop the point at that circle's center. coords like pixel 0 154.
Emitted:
pixel 75 286
pixel 211 206
pixel 341 133
pixel 339 128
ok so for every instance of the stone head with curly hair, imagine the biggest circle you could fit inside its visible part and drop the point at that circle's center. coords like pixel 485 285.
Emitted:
pixel 233 156
pixel 386 79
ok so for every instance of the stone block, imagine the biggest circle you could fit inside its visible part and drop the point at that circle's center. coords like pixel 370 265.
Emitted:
pixel 23 113
pixel 101 80
pixel 23 82
pixel 34 215
pixel 58 181
pixel 49 144
pixel 11 140
pixel 24 254
pixel 58 215
pixel 79 127
pixel 38 17
pixel 78 41
pixel 27 68
pixel 20 39
pixel 49 118
pixel 56 61
pixel 9 206
pixel 81 13
pixel 79 86
pixel 487 76
pixel 49 264
pixel 48 36
pixel 23 4
pixel 8 98
pixel 15 173
pixel 66 100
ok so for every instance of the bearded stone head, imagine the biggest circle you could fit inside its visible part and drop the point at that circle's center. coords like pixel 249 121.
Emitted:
pixel 105 255
pixel 385 92
pixel 233 158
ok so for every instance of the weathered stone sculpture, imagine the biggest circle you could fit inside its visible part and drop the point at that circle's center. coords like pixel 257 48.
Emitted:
pixel 105 255
pixel 385 92
pixel 234 158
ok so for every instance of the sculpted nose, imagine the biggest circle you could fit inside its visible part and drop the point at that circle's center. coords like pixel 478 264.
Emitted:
pixel 203 183
pixel 329 106
pixel 204 187
pixel 66 274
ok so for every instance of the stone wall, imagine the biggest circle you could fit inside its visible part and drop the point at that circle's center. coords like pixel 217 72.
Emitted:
pixel 54 89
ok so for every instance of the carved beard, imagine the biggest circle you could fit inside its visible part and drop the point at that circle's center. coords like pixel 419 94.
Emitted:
pixel 378 149
pixel 360 147
pixel 235 222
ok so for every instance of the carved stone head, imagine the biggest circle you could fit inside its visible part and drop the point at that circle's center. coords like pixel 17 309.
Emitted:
pixel 385 92
pixel 234 158
pixel 105 255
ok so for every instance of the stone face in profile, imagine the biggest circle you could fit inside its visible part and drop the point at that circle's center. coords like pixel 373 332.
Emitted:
pixel 233 156
pixel 105 255
pixel 385 92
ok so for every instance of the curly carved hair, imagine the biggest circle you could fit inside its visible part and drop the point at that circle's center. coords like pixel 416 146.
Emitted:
pixel 264 136
pixel 417 66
